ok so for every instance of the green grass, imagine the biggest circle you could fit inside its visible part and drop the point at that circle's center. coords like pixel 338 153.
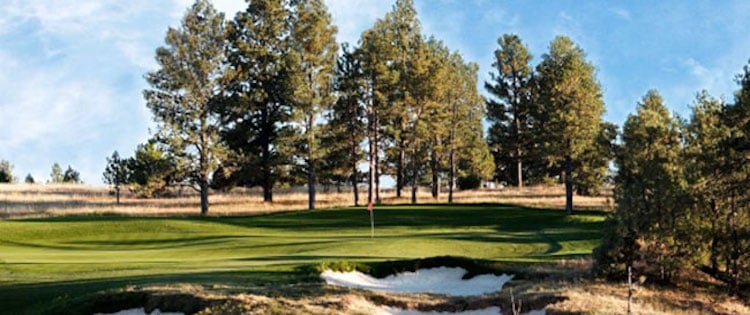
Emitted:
pixel 62 258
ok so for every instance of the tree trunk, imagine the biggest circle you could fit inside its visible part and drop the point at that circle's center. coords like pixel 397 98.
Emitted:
pixel 355 188
pixel 518 146
pixel 117 194
pixel 414 176
pixel 435 178
pixel 371 174
pixel 400 169
pixel 267 183
pixel 310 164
pixel 451 177
pixel 267 192
pixel 204 196
pixel 568 185
pixel 377 159
pixel 520 170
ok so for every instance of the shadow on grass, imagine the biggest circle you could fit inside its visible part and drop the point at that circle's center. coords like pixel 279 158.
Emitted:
pixel 74 297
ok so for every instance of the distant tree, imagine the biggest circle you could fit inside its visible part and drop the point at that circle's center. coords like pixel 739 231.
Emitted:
pixel 510 110
pixel 56 176
pixel 314 45
pixel 116 173
pixel 71 176
pixel 6 172
pixel 469 156
pixel 152 170
pixel 184 90
pixel 593 164
pixel 29 179
pixel 572 100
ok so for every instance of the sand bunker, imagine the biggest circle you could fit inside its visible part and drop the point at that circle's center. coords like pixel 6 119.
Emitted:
pixel 442 280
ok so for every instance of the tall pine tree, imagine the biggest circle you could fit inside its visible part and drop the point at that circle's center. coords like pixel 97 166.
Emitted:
pixel 184 89
pixel 572 100
pixel 509 111
pixel 314 44
pixel 261 80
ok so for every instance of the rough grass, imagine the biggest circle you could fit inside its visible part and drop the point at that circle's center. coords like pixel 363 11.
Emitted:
pixel 24 200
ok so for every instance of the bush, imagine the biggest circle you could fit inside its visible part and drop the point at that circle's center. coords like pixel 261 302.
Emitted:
pixel 470 181
pixel 6 172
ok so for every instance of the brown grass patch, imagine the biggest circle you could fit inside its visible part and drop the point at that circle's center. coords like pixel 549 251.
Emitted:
pixel 21 200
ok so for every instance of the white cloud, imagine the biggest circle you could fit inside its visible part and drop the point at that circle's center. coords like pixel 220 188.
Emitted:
pixel 622 13
pixel 352 17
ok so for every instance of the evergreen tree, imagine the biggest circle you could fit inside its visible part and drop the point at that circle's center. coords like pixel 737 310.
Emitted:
pixel 404 28
pixel 152 170
pixel 71 176
pixel 572 100
pixel 345 129
pixel 261 85
pixel 376 54
pixel 56 176
pixel 6 172
pixel 509 111
pixel 116 174
pixel 593 165
pixel 646 229
pixel 314 42
pixel 184 90
pixel 29 179
pixel 705 155
pixel 733 231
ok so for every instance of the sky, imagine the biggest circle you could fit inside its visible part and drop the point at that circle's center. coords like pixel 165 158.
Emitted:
pixel 71 71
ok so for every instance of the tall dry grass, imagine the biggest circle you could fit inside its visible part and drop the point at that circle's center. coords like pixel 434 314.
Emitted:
pixel 17 200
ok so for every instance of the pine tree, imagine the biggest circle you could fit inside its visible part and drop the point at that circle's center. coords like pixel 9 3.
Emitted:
pixel 116 174
pixel 6 172
pixel 29 179
pixel 71 176
pixel 572 100
pixel 404 27
pixel 509 113
pixel 345 129
pixel 734 183
pixel 376 54
pixel 652 209
pixel 184 89
pixel 314 42
pixel 705 134
pixel 56 175
pixel 260 82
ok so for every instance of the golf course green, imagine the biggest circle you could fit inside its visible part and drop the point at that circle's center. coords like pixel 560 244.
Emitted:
pixel 48 261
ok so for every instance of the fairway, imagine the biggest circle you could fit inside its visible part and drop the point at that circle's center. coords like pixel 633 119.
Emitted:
pixel 62 257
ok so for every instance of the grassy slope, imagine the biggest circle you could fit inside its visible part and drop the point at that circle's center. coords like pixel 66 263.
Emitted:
pixel 43 259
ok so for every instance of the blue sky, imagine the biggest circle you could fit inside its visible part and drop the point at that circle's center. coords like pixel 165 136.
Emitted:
pixel 71 71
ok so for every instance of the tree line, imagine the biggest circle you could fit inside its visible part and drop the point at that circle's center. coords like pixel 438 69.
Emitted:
pixel 70 175
pixel 266 99
pixel 682 192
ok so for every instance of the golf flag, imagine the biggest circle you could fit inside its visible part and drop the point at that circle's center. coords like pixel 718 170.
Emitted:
pixel 369 206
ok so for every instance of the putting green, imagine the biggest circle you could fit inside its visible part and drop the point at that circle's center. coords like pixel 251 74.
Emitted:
pixel 58 258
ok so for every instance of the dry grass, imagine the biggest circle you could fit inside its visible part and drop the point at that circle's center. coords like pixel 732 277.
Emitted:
pixel 62 199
